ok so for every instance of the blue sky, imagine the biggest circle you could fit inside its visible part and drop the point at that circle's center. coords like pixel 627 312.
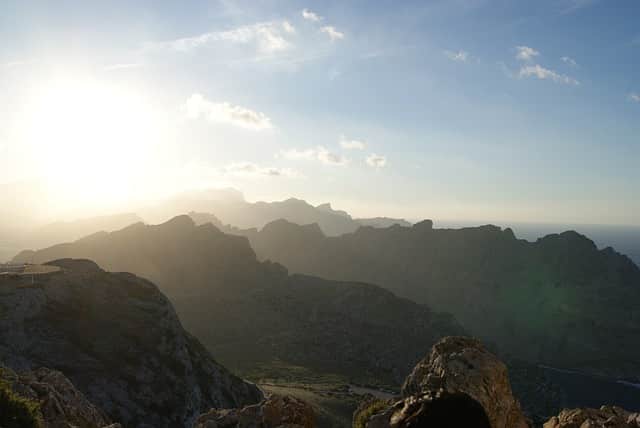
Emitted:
pixel 468 110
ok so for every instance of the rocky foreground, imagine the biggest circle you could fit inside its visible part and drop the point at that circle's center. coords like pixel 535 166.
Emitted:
pixel 461 384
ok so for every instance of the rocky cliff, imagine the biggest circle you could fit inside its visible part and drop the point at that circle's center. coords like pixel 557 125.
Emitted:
pixel 118 340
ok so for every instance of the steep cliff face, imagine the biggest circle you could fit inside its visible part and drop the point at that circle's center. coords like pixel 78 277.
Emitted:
pixel 247 311
pixel 560 301
pixel 119 341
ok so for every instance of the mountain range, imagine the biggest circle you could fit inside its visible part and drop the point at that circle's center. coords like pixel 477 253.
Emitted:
pixel 246 311
pixel 558 301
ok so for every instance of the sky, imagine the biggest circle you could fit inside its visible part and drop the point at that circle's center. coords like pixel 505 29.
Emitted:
pixel 452 109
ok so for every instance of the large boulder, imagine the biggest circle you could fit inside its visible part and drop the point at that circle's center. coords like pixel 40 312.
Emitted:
pixel 274 412
pixel 462 365
pixel 460 384
pixel 604 417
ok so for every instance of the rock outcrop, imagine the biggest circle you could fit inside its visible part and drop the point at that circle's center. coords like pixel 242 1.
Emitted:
pixel 60 404
pixel 460 384
pixel 119 341
pixel 604 417
pixel 274 412
pixel 462 365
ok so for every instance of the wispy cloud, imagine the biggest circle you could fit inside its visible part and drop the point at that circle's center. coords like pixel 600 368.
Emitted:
pixel 330 158
pixel 351 144
pixel 123 66
pixel 542 73
pixel 268 38
pixel 311 16
pixel 321 154
pixel 568 60
pixel 633 96
pixel 571 6
pixel 460 56
pixel 198 106
pixel 252 170
pixel 332 32
pixel 376 161
pixel 525 53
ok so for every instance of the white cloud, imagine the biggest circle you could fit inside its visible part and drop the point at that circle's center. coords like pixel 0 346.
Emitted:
pixel 288 28
pixel 222 112
pixel 376 161
pixel 568 60
pixel 352 144
pixel 525 53
pixel 460 56
pixel 329 158
pixel 124 66
pixel 252 170
pixel 311 16
pixel 268 37
pixel 635 97
pixel 332 33
pixel 544 73
pixel 320 154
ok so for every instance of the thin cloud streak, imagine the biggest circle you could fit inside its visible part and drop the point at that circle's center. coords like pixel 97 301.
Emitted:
pixel 542 73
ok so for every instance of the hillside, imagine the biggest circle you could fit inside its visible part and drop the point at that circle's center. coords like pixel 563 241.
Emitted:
pixel 558 301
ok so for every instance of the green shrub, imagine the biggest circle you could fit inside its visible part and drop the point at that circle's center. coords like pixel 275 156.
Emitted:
pixel 16 411
pixel 362 417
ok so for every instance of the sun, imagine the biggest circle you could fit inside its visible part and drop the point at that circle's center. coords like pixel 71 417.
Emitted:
pixel 88 137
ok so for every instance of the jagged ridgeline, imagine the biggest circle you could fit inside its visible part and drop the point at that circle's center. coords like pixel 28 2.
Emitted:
pixel 559 300
pixel 118 340
pixel 247 311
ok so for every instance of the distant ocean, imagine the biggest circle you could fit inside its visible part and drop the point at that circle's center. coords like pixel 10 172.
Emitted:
pixel 623 239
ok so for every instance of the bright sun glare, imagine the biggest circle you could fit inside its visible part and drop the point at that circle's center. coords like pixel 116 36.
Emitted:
pixel 89 137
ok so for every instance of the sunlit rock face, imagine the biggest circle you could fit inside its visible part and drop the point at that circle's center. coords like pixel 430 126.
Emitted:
pixel 459 384
pixel 119 341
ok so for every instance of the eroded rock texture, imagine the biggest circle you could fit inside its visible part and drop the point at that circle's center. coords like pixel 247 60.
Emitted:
pixel 274 412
